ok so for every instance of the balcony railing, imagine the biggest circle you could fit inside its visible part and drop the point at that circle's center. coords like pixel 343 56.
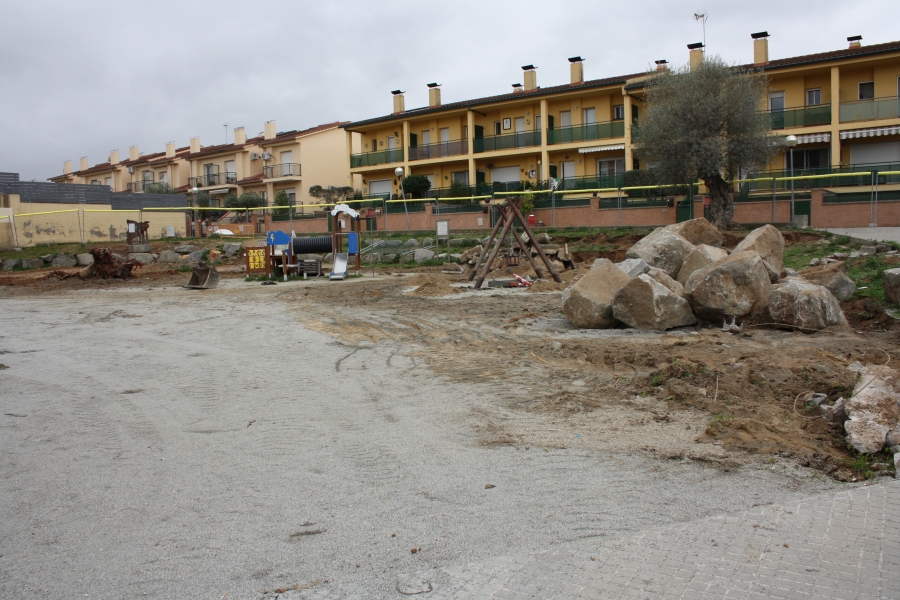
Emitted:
pixel 509 141
pixel 367 159
pixel 590 182
pixel 583 133
pixel 800 117
pixel 282 170
pixel 137 186
pixel 441 149
pixel 870 110
pixel 213 179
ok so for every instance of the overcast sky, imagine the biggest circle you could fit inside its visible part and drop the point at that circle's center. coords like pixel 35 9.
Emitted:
pixel 82 77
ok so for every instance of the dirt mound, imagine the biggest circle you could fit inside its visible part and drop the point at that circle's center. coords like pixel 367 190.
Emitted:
pixel 431 285
pixel 865 314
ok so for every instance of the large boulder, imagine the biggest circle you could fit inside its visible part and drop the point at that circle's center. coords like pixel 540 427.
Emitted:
pixel 10 263
pixel 873 410
pixel 587 303
pixel 84 259
pixel 411 242
pixel 184 248
pixel 698 231
pixel 64 260
pixel 645 303
pixel 662 277
pixel 633 266
pixel 699 257
pixel 663 249
pixel 734 286
pixel 195 256
pixel 834 277
pixel 421 255
pixel 168 256
pixel 803 304
pixel 768 242
pixel 142 257
pixel 232 247
pixel 891 281
pixel 32 263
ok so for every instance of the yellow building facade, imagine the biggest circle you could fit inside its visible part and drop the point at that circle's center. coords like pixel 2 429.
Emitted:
pixel 265 164
pixel 842 106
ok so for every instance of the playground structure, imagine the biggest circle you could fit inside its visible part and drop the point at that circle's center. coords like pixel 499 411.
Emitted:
pixel 509 213
pixel 282 249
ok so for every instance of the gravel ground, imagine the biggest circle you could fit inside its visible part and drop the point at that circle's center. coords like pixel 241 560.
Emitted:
pixel 172 444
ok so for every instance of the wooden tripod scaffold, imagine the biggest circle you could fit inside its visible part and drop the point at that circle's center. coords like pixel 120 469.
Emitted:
pixel 509 213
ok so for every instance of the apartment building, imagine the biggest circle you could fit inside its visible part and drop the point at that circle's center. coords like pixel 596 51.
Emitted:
pixel 842 106
pixel 266 164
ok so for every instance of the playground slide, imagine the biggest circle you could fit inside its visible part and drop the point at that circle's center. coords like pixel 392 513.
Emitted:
pixel 340 266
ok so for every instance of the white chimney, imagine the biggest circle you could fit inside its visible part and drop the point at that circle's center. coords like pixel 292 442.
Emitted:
pixel 696 54
pixel 114 157
pixel 83 163
pixel 760 47
pixel 240 136
pixel 170 149
pixel 195 144
pixel 399 101
pixel 576 69
pixel 530 77
pixel 67 167
pixel 133 153
pixel 269 130
pixel 434 95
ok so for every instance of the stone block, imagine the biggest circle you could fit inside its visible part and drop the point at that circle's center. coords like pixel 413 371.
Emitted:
pixel 633 266
pixel 184 248
pixel 644 303
pixel 84 259
pixel 805 305
pixel 768 242
pixel 734 286
pixel 587 303
pixel 142 257
pixel 64 261
pixel 421 255
pixel 891 282
pixel 169 256
pixel 32 263
pixel 10 264
pixel 663 249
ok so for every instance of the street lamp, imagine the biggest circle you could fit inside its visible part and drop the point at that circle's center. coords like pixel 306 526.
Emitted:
pixel 791 141
pixel 399 173
pixel 194 191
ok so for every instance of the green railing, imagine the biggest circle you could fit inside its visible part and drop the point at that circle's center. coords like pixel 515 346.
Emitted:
pixel 560 202
pixel 744 195
pixel 441 149
pixel 824 182
pixel 633 202
pixel 472 206
pixel 509 141
pixel 870 110
pixel 800 117
pixel 590 182
pixel 888 195
pixel 393 208
pixel 367 159
pixel 584 133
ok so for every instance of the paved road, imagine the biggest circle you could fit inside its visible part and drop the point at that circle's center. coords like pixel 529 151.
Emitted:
pixel 835 545
pixel 879 234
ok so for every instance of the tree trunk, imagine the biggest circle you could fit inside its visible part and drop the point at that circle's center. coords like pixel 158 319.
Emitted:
pixel 721 204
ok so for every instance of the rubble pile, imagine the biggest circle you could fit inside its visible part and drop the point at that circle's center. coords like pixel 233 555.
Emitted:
pixel 680 274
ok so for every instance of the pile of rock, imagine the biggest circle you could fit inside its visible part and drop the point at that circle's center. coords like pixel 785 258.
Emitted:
pixel 680 273
pixel 183 253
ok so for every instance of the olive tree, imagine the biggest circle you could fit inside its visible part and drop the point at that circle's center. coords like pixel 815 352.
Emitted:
pixel 331 194
pixel 705 124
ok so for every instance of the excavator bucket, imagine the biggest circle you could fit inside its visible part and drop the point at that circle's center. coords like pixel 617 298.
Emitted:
pixel 203 277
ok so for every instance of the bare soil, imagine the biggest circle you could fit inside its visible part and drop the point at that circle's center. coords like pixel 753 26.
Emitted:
pixel 692 394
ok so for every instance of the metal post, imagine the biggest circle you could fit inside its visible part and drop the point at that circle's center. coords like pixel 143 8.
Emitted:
pixel 774 214
pixel 405 208
pixel 792 185
pixel 619 205
pixel 874 210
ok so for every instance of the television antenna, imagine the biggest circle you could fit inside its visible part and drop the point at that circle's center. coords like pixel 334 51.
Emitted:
pixel 700 16
pixel 226 132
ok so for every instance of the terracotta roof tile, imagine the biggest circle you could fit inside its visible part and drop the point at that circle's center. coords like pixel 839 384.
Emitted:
pixel 291 135
pixel 251 179
pixel 415 112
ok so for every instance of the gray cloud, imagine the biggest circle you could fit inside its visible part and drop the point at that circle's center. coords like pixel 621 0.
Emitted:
pixel 88 77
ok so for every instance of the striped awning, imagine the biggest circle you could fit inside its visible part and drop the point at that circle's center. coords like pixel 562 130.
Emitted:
pixel 813 138
pixel 874 132
pixel 601 148
pixel 218 191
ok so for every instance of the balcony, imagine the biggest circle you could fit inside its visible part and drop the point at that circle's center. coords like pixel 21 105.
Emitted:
pixel 800 117
pixel 439 150
pixel 213 179
pixel 509 141
pixel 870 110
pixel 585 133
pixel 282 170
pixel 137 186
pixel 368 159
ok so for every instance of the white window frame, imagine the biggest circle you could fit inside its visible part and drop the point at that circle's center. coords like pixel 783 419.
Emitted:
pixel 619 112
pixel 818 93
pixel 859 88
